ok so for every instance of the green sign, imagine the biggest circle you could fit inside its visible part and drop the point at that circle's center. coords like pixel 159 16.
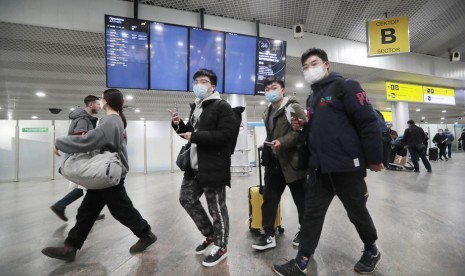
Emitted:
pixel 35 129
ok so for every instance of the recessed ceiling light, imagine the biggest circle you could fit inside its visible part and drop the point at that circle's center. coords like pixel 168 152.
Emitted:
pixel 10 117
pixel 129 97
pixel 35 117
pixel 444 111
pixel 442 122
pixel 40 94
pixel 417 110
pixel 72 109
pixel 298 85
pixel 426 122
pixel 455 123
pixel 262 102
pixel 142 118
pixel 0 108
pixel 423 118
pixel 136 110
pixel 388 108
pixel 442 118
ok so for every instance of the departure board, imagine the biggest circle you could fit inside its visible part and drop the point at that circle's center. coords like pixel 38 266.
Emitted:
pixel 168 57
pixel 127 51
pixel 206 50
pixel 271 61
pixel 240 64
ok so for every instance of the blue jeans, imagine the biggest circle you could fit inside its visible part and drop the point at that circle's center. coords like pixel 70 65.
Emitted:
pixel 415 154
pixel 69 198
pixel 449 150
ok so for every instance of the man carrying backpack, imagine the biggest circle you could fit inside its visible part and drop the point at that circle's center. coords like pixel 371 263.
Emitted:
pixel 344 140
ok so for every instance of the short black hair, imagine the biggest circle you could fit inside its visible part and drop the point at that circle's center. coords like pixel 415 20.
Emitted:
pixel 410 122
pixel 207 73
pixel 271 80
pixel 89 99
pixel 314 52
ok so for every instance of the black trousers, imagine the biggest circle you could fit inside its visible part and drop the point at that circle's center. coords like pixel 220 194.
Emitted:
pixel 275 184
pixel 120 207
pixel 351 189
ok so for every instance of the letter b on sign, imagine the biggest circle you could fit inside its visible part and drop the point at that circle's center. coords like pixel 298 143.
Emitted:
pixel 387 36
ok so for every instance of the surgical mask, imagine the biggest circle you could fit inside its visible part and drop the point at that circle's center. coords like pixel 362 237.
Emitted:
pixel 313 75
pixel 272 96
pixel 200 91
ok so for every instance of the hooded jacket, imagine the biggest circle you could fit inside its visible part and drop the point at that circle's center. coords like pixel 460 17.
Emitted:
pixel 450 137
pixel 81 122
pixel 291 141
pixel 214 131
pixel 343 131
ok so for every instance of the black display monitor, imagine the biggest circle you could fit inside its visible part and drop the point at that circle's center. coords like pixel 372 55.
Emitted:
pixel 127 59
pixel 168 57
pixel 240 64
pixel 271 61
pixel 206 50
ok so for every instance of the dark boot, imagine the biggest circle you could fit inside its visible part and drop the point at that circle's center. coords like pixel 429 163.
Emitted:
pixel 65 253
pixel 144 242
pixel 59 212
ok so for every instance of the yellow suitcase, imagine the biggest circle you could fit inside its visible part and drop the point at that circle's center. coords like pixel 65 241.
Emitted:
pixel 255 205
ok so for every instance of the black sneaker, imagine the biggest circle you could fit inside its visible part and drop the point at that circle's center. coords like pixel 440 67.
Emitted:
pixel 204 246
pixel 368 262
pixel 217 254
pixel 289 269
pixel 264 242
pixel 59 212
pixel 297 237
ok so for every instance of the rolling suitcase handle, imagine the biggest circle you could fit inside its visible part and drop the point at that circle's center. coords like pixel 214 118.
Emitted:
pixel 260 170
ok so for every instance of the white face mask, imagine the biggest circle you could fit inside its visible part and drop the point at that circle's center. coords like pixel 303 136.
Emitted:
pixel 313 75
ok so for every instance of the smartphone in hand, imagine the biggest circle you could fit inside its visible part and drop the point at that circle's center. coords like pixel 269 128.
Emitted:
pixel 268 143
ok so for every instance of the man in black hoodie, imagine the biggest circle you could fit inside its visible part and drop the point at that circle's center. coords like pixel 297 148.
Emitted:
pixel 344 140
pixel 82 122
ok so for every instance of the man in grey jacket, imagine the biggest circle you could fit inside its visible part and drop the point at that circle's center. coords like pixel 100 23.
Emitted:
pixel 82 122
pixel 282 165
pixel 450 139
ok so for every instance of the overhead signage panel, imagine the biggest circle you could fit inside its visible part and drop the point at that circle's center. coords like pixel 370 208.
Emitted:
pixel 402 92
pixel 388 36
pixel 439 95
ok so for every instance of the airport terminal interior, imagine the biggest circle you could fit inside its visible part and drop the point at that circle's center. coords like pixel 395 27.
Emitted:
pixel 55 53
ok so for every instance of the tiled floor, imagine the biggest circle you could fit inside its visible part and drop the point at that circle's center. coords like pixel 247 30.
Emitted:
pixel 419 216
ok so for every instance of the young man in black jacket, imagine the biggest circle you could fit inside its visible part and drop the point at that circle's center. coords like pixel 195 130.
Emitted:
pixel 414 138
pixel 351 143
pixel 211 130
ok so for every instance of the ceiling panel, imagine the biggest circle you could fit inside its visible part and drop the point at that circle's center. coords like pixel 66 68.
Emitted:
pixel 69 65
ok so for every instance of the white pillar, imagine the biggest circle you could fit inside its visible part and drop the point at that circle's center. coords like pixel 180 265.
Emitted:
pixel 400 116
pixel 240 160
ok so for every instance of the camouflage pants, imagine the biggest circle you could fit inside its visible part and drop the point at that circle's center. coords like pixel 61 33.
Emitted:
pixel 191 191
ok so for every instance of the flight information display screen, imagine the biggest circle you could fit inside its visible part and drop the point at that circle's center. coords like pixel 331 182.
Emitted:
pixel 126 52
pixel 206 50
pixel 168 57
pixel 271 61
pixel 240 64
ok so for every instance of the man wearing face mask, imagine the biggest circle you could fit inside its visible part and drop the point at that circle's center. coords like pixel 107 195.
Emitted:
pixel 352 143
pixel 211 130
pixel 282 167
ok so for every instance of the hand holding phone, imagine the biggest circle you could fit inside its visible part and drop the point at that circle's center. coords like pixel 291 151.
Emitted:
pixel 268 143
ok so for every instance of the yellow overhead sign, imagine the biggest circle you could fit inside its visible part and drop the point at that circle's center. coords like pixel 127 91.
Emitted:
pixel 439 95
pixel 388 36
pixel 402 92
pixel 387 115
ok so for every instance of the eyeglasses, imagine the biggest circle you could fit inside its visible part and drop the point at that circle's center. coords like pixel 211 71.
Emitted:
pixel 312 64
pixel 201 81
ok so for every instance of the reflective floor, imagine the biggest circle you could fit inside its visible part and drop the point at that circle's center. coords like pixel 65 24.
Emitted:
pixel 419 216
